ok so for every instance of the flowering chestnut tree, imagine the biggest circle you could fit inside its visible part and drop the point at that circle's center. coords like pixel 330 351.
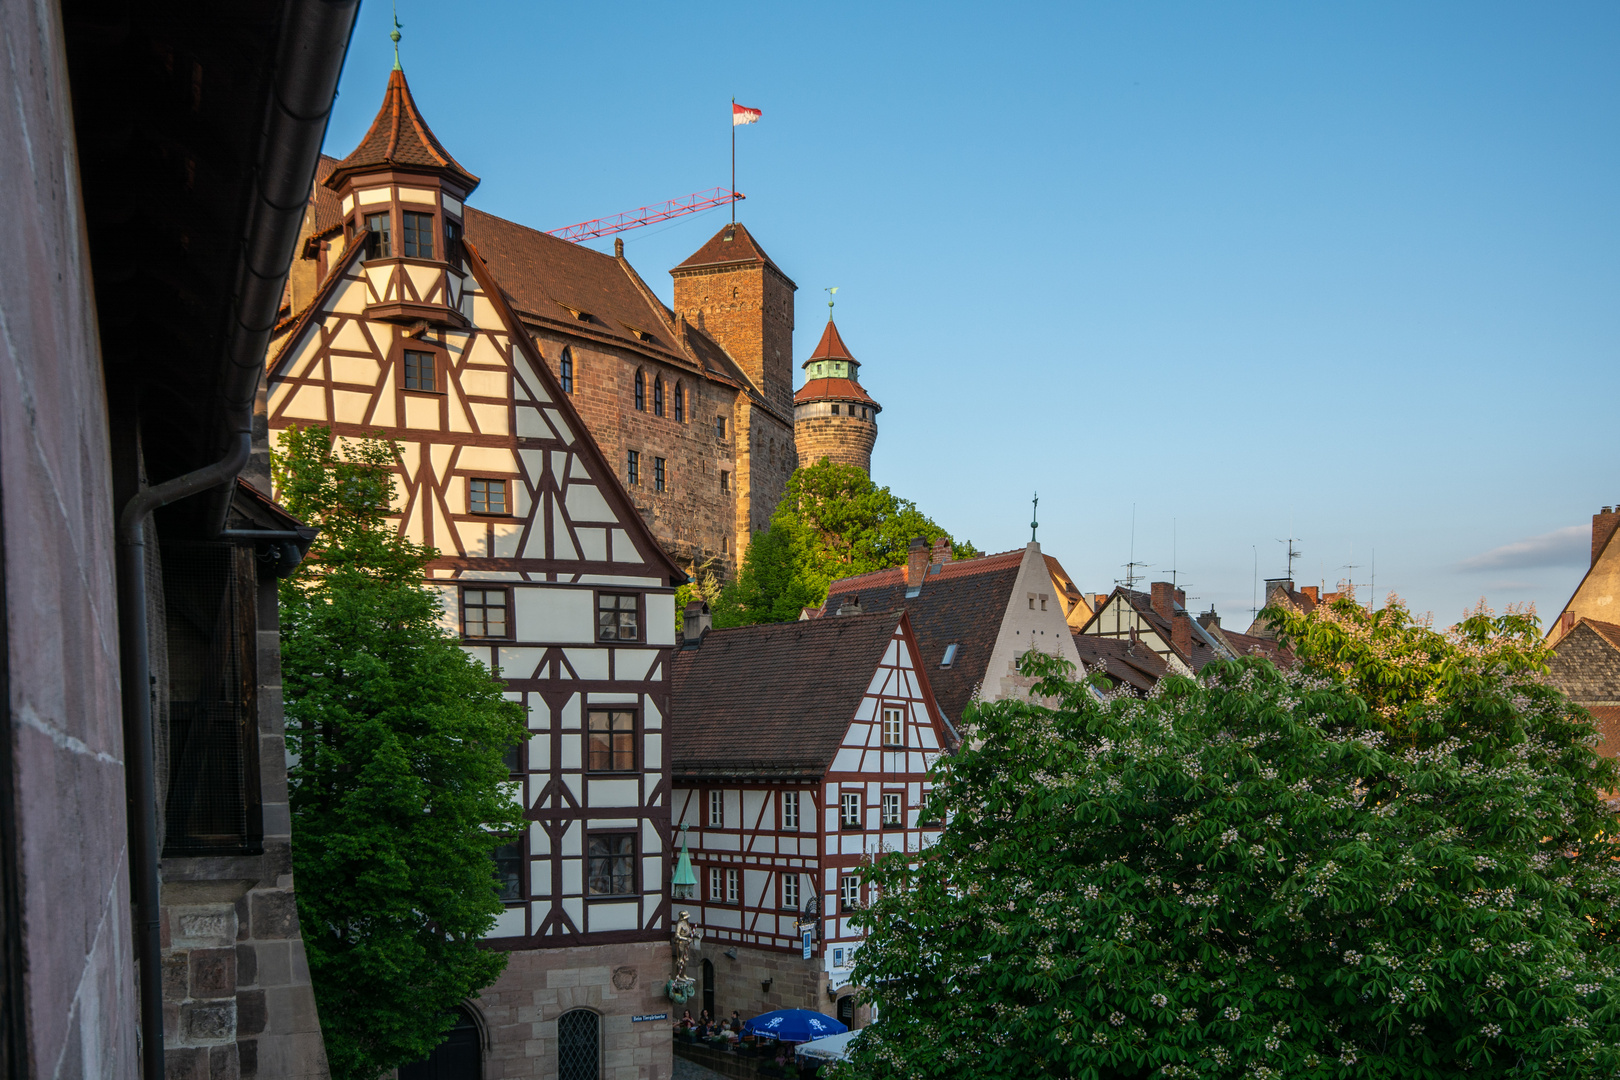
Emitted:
pixel 1343 870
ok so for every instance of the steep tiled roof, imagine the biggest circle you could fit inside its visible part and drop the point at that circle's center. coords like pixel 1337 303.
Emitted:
pixel 732 244
pixel 834 390
pixel 1247 645
pixel 328 208
pixel 1202 649
pixel 1585 664
pixel 962 604
pixel 587 291
pixel 775 699
pixel 1125 661
pixel 831 346
pixel 400 138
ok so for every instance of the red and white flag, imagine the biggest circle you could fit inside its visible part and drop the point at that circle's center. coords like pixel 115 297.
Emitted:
pixel 742 114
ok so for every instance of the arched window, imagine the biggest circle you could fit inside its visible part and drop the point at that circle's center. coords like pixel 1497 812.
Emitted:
pixel 658 397
pixel 567 370
pixel 680 404
pixel 641 392
pixel 579 1052
pixel 459 1057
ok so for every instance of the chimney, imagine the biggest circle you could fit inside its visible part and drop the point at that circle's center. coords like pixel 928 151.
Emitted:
pixel 916 565
pixel 1209 619
pixel 1181 633
pixel 695 623
pixel 1602 527
pixel 1164 601
pixel 1181 598
pixel 941 553
pixel 1101 598
pixel 1311 592
pixel 618 247
pixel 1566 623
pixel 850 605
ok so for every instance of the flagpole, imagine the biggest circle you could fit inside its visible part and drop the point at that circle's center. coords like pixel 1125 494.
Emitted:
pixel 734 161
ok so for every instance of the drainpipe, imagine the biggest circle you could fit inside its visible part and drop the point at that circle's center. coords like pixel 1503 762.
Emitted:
pixel 309 58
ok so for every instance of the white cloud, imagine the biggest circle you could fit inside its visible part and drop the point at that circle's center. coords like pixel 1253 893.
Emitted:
pixel 1570 546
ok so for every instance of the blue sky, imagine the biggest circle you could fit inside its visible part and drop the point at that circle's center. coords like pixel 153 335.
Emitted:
pixel 1345 270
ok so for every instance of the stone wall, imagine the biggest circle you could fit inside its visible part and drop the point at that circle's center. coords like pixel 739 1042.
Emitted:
pixel 845 440
pixel 795 983
pixel 748 309
pixel 67 980
pixel 618 982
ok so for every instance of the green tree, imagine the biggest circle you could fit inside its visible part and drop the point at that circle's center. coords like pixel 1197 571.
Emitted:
pixel 398 739
pixel 1255 874
pixel 833 522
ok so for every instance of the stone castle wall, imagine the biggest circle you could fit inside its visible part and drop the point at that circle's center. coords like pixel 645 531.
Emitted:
pixel 748 309
pixel 845 440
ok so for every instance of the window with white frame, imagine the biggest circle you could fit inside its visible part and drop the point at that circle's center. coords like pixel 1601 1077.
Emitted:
pixel 894 726
pixel 790 809
pixel 849 892
pixel 790 892
pixel 731 885
pixel 717 809
pixel 716 887
pixel 849 810
pixel 893 809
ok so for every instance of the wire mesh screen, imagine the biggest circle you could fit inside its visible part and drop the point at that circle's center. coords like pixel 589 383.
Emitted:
pixel 211 806
pixel 577 1046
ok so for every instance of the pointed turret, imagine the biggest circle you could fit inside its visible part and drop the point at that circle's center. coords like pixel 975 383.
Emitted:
pixel 833 417
pixel 400 140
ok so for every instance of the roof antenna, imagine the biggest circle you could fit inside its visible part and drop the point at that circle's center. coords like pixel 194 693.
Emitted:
pixel 1293 553
pixel 1254 588
pixel 829 293
pixel 1033 524
pixel 1172 553
pixel 394 37
pixel 1131 576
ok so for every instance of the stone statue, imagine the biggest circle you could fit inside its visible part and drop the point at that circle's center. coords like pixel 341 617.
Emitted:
pixel 687 937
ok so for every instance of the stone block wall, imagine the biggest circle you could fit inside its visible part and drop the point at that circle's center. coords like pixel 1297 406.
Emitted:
pixel 845 440
pixel 795 983
pixel 748 309
pixel 618 982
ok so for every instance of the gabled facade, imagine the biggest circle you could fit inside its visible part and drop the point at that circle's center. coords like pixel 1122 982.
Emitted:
pixel 1585 664
pixel 1156 620
pixel 973 618
pixel 801 751
pixel 548 573
pixel 1598 594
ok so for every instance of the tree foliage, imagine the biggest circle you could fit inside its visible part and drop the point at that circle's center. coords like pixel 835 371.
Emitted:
pixel 833 522
pixel 1395 861
pixel 398 739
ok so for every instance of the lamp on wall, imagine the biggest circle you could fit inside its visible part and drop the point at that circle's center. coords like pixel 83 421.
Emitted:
pixel 832 995
pixel 765 986
pixel 731 954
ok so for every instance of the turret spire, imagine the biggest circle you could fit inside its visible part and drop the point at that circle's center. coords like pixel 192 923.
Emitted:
pixel 393 36
pixel 830 292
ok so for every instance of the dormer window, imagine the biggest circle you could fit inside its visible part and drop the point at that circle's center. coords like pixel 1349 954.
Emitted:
pixel 417 235
pixel 378 244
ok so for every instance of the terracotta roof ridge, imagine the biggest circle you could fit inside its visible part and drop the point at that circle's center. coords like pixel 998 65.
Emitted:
pixel 956 568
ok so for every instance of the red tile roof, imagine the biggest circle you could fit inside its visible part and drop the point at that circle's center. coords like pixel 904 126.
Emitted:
pixel 831 346
pixel 733 244
pixel 834 390
pixel 1123 660
pixel 773 700
pixel 962 605
pixel 400 138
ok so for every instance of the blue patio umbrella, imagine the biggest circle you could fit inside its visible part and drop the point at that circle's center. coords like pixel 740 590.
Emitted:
pixel 794 1025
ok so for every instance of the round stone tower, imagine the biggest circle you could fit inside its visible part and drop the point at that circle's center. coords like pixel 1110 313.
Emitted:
pixel 832 416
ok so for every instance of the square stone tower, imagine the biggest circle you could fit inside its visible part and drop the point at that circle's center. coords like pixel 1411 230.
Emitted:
pixel 730 289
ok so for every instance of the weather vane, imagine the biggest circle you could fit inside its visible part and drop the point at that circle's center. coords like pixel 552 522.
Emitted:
pixel 1034 524
pixel 393 35
pixel 829 292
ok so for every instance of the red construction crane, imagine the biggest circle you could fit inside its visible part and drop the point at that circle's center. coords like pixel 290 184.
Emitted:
pixel 647 215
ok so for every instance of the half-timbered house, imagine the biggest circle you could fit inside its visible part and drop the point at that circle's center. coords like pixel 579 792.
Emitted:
pixel 547 571
pixel 801 750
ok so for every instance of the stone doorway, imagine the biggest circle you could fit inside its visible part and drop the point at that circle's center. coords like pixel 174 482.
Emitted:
pixel 708 989
pixel 459 1057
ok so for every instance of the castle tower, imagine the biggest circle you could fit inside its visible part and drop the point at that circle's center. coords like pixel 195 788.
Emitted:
pixel 733 292
pixel 832 416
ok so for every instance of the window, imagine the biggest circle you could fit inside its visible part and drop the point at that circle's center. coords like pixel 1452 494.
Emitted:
pixel 950 655
pixel 658 397
pixel 419 373
pixel 641 392
pixel 717 810
pixel 790 809
pixel 790 891
pixel 635 468
pixel 835 410
pixel 731 885
pixel 1043 603
pixel 579 1048
pixel 894 726
pixel 719 427
pixel 658 474
pixel 417 234
pixel 838 958
pixel 1032 603
pixel 509 870
pixel 894 815
pixel 849 893
pixel 567 372
pixel 488 497
pixel 716 885
pixel 680 404
pixel 377 244
pixel 452 241
pixel 725 480
pixel 514 760
pixel 612 741
pixel 849 810
pixel 616 618
pixel 612 864
pixel 483 613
